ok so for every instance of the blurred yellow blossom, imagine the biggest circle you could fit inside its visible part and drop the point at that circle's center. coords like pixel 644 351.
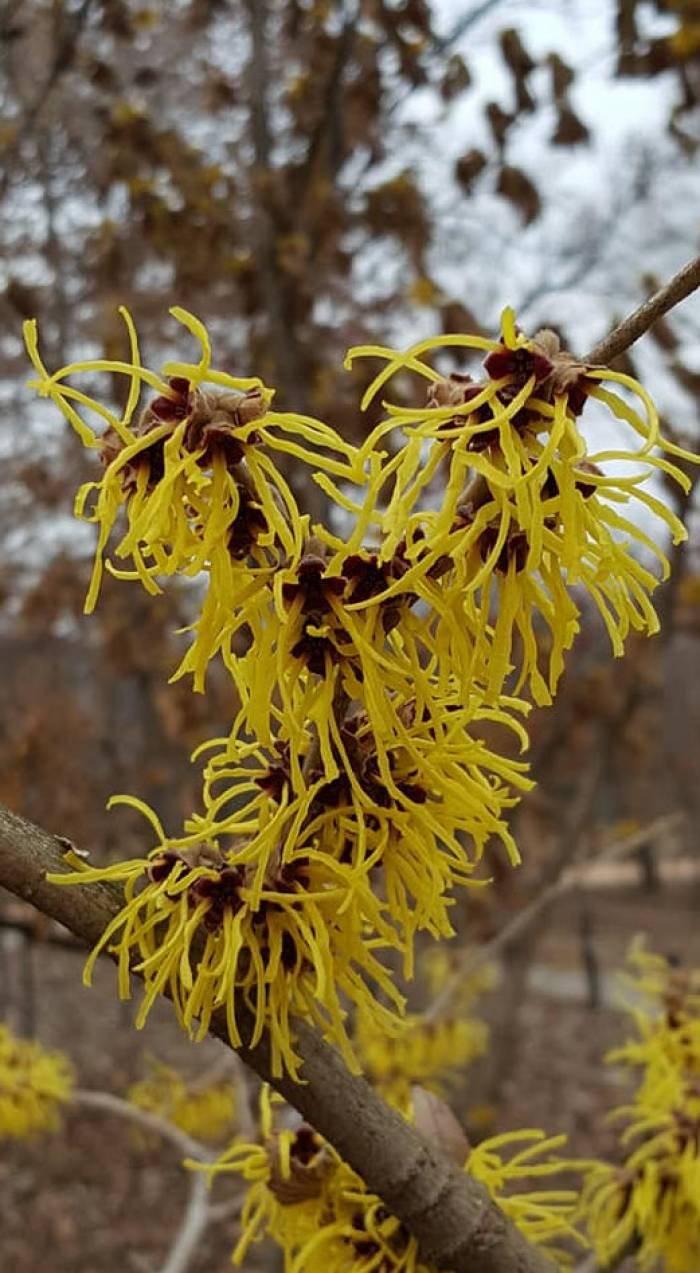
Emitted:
pixel 205 1110
pixel 650 1202
pixel 34 1084
pixel 423 1052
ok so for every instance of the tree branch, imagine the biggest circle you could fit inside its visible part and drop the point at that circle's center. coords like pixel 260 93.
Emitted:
pixel 281 333
pixel 110 1104
pixel 195 1220
pixel 277 290
pixel 27 928
pixel 631 328
pixel 457 1225
pixel 327 123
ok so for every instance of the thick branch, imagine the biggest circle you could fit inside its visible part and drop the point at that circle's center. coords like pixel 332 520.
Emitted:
pixel 631 328
pixel 457 1225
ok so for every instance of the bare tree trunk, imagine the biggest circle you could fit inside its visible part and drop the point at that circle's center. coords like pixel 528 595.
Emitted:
pixel 287 354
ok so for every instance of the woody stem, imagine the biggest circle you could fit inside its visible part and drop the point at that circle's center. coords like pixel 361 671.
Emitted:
pixel 635 325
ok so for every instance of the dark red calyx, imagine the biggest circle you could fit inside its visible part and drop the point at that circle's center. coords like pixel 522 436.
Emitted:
pixel 313 585
pixel 162 866
pixel 248 524
pixel 278 774
pixel 176 405
pixel 514 549
pixel 517 365
pixel 313 650
pixel 366 576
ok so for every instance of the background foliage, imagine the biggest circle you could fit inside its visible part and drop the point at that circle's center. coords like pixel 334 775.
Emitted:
pixel 305 176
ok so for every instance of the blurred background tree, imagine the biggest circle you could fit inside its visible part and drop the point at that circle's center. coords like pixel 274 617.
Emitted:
pixel 305 175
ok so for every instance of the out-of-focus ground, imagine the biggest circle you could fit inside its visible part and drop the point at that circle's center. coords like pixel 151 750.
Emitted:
pixel 92 1200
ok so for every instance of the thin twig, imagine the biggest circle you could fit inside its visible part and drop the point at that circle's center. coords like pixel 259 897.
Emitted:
pixel 589 1265
pixel 186 1145
pixel 195 1220
pixel 196 1215
pixel 631 328
pixel 220 1071
pixel 568 878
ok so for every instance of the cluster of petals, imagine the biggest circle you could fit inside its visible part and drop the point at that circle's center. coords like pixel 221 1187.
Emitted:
pixel 423 1053
pixel 321 1215
pixel 196 927
pixel 360 782
pixel 531 517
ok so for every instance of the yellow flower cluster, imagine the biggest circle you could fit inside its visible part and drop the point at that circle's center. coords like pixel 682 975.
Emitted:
pixel 544 1216
pixel 439 966
pixel 426 1053
pixel 318 1211
pixel 526 510
pixel 34 1084
pixel 177 470
pixel 651 1203
pixel 206 1111
pixel 359 784
pixel 195 926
